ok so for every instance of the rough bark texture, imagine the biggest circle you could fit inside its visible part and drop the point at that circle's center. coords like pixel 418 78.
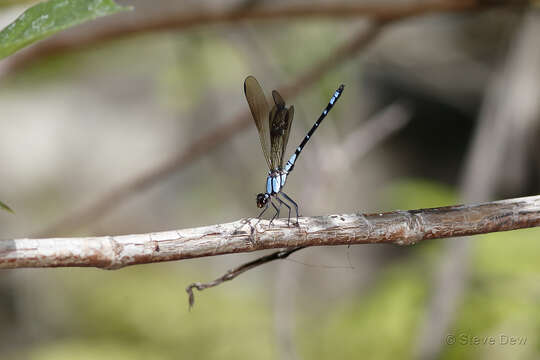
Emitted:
pixel 397 227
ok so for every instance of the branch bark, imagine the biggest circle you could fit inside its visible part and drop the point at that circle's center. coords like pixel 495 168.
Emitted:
pixel 397 227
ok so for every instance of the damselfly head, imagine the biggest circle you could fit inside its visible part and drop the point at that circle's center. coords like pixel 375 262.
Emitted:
pixel 262 199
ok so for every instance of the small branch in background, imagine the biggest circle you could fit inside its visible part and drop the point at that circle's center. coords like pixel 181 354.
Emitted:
pixel 121 27
pixel 205 144
pixel 396 227
pixel 377 129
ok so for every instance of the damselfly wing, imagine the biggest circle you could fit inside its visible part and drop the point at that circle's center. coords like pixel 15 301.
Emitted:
pixel 280 122
pixel 260 112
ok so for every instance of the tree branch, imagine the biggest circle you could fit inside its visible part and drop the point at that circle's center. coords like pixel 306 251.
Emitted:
pixel 397 227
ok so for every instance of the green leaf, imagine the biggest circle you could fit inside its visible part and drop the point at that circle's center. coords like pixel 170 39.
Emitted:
pixel 5 207
pixel 49 17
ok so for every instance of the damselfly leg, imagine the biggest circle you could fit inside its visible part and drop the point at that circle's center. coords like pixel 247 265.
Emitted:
pixel 262 212
pixel 277 211
pixel 291 201
pixel 288 207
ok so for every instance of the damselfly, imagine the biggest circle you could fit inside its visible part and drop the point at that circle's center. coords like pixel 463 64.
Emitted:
pixel 274 126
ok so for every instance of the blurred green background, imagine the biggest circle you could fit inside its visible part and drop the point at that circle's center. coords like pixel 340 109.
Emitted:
pixel 76 124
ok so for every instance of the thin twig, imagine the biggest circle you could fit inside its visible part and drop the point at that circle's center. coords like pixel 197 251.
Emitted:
pixel 233 273
pixel 396 227
pixel 205 144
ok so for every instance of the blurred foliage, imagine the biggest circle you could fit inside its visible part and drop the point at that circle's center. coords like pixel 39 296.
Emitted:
pixel 5 207
pixel 49 17
pixel 142 313
pixel 502 298
pixel 368 325
pixel 418 193
pixel 180 82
